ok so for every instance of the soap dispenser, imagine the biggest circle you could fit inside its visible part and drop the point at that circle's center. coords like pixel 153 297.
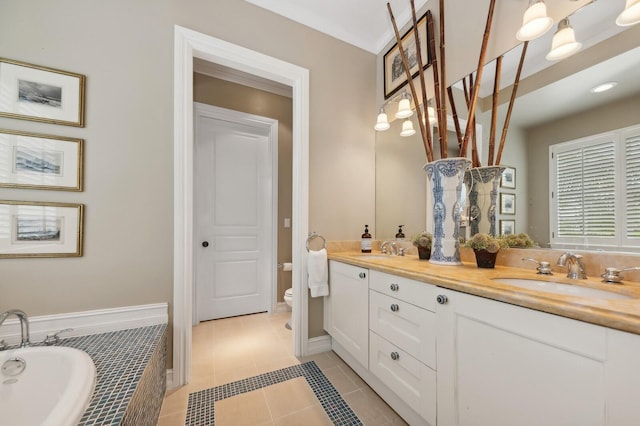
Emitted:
pixel 400 234
pixel 366 240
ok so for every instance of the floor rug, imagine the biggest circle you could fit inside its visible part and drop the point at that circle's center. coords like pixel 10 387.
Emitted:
pixel 201 408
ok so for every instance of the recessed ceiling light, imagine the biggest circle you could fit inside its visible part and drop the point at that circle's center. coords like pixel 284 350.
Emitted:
pixel 604 87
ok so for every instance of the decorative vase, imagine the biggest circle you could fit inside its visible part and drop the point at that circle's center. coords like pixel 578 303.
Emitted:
pixel 444 188
pixel 483 196
pixel 485 259
pixel 424 253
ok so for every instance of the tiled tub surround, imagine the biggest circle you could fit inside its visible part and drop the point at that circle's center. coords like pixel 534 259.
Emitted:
pixel 131 375
pixel 622 315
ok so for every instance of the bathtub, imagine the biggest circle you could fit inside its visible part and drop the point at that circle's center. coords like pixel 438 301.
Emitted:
pixel 48 385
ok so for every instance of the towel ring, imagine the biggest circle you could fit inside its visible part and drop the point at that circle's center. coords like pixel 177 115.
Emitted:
pixel 316 235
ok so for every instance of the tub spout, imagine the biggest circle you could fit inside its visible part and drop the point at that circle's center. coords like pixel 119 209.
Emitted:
pixel 24 325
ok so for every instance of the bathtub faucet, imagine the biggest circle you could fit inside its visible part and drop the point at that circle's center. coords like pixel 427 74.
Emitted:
pixel 24 324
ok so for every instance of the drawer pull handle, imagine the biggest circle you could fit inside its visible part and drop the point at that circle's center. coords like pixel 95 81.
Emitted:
pixel 395 356
pixel 442 299
pixel 362 275
pixel 394 308
pixel 394 287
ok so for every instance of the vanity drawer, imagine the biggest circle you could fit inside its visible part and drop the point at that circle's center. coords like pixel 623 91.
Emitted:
pixel 411 380
pixel 414 292
pixel 407 326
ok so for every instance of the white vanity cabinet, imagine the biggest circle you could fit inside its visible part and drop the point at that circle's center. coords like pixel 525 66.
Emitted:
pixel 347 309
pixel 402 340
pixel 501 364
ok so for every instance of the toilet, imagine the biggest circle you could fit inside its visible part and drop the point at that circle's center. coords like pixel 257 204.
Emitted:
pixel 288 298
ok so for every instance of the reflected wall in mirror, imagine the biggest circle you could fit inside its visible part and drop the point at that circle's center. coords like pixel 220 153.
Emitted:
pixel 554 105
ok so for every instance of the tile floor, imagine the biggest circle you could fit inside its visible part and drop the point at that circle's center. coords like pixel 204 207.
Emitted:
pixel 231 349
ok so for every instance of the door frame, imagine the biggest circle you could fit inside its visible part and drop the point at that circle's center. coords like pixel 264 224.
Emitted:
pixel 224 114
pixel 189 44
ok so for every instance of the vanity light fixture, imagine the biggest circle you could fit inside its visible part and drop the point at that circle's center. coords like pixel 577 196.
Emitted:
pixel 604 87
pixel 535 21
pixel 407 128
pixel 564 42
pixel 404 106
pixel 382 123
pixel 630 15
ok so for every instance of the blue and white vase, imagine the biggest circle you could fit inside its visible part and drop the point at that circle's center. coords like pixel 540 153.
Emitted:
pixel 445 200
pixel 483 196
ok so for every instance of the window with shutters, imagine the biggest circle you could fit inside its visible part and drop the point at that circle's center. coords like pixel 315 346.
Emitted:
pixel 595 191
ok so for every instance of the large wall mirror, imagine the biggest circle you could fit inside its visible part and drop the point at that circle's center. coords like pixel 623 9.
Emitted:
pixel 554 105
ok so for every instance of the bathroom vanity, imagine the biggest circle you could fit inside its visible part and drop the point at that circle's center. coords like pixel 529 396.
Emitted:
pixel 454 346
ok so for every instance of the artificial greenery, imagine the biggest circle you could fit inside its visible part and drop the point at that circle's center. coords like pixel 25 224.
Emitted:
pixel 423 239
pixel 518 240
pixel 482 241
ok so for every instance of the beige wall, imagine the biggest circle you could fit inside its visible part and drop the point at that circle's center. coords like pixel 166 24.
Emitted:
pixel 125 48
pixel 213 91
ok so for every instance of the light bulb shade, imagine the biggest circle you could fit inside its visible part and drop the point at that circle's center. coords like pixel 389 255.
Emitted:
pixel 432 114
pixel 564 42
pixel 535 22
pixel 404 108
pixel 382 123
pixel 630 15
pixel 407 129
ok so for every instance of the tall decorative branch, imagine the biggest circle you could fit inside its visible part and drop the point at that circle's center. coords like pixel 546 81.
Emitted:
pixel 454 114
pixel 511 102
pixel 407 70
pixel 436 75
pixel 442 119
pixel 494 111
pixel 423 86
pixel 476 87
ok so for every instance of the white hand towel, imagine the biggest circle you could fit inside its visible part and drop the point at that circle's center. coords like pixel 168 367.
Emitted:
pixel 318 273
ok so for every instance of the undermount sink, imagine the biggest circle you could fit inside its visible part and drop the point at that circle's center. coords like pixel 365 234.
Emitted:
pixel 561 288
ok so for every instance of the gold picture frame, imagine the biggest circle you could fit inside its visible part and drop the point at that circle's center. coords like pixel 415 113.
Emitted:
pixel 37 93
pixel 37 161
pixel 395 76
pixel 41 229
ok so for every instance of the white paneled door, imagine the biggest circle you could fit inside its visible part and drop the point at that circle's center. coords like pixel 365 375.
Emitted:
pixel 235 178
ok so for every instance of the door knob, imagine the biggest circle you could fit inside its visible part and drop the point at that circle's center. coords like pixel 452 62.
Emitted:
pixel 362 275
pixel 395 356
pixel 442 299
pixel 205 244
pixel 395 308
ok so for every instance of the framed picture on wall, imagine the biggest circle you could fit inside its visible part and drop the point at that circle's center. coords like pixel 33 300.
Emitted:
pixel 507 227
pixel 508 179
pixel 32 92
pixel 395 76
pixel 35 161
pixel 507 203
pixel 37 229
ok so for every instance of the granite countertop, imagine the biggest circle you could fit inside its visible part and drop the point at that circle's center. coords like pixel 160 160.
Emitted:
pixel 620 314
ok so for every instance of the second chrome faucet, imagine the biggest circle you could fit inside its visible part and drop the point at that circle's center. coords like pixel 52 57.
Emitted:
pixel 575 265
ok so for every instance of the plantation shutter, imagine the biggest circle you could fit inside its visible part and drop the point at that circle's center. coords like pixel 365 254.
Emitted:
pixel 632 179
pixel 585 191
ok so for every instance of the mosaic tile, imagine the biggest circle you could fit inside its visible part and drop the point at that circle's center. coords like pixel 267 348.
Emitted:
pixel 201 407
pixel 121 359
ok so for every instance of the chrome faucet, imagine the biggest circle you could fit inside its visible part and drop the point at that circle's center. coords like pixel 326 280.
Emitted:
pixel 544 268
pixel 392 244
pixel 24 325
pixel 575 265
pixel 612 275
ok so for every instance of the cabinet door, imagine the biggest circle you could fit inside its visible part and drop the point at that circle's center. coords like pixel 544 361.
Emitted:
pixel 499 364
pixel 349 299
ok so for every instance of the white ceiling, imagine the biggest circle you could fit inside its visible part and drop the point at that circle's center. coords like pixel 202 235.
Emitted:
pixel 362 23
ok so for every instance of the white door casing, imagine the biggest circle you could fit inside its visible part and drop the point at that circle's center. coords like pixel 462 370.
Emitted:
pixel 189 44
pixel 236 197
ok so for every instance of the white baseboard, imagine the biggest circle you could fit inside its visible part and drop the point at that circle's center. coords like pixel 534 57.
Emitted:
pixel 169 379
pixel 86 322
pixel 319 344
